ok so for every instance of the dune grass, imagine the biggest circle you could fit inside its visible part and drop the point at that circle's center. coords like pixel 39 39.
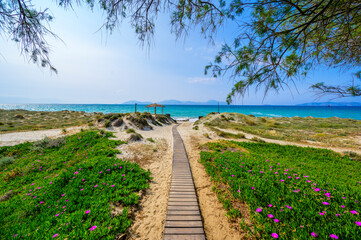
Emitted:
pixel 23 120
pixel 68 188
pixel 335 132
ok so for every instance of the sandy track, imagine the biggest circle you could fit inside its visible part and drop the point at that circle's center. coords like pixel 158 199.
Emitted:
pixel 149 220
pixel 11 139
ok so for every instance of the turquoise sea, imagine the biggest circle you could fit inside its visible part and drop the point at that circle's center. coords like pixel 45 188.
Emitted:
pixel 194 111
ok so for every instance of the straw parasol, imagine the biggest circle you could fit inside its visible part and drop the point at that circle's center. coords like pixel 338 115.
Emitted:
pixel 155 105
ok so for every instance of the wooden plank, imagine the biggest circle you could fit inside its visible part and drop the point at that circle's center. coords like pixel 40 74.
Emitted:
pixel 182 199
pixel 186 224
pixel 182 203
pixel 185 237
pixel 184 231
pixel 183 213
pixel 183 208
pixel 184 218
pixel 183 221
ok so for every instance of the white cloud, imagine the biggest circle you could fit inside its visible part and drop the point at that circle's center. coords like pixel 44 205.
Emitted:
pixel 203 80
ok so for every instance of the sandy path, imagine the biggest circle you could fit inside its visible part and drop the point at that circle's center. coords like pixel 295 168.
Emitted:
pixel 216 224
pixel 149 220
pixel 11 139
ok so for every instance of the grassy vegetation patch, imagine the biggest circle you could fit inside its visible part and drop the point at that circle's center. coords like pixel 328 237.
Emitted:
pixel 292 192
pixel 75 188
pixel 227 134
pixel 23 120
pixel 336 132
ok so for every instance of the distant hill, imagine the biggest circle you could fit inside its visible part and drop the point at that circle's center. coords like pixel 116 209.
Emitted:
pixel 177 102
pixel 334 104
pixel 137 102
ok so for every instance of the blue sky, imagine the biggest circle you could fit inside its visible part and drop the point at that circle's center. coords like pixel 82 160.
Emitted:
pixel 95 67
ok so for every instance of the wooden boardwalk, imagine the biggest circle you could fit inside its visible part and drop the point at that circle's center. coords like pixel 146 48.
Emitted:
pixel 183 215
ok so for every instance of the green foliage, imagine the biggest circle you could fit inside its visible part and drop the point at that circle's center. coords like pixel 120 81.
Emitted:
pixel 107 123
pixel 151 140
pixel 55 188
pixel 283 40
pixel 4 161
pixel 130 130
pixel 195 127
pixel 291 184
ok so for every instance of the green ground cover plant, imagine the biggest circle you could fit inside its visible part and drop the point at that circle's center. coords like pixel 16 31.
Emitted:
pixel 73 188
pixel 291 192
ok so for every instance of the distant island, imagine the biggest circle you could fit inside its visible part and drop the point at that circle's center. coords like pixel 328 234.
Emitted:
pixel 215 102
pixel 331 104
pixel 177 102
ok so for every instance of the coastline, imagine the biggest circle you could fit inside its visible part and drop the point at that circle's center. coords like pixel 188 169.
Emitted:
pixel 194 111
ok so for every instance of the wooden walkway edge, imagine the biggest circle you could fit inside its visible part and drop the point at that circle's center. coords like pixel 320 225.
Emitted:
pixel 184 219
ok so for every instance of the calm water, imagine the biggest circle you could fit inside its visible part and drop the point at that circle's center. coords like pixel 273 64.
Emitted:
pixel 193 111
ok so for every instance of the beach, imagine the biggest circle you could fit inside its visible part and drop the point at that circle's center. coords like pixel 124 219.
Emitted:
pixel 153 151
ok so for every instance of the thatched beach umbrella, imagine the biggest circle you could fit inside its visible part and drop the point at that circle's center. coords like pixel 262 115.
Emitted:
pixel 155 105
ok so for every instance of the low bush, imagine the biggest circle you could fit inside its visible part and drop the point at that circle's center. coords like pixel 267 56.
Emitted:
pixel 130 130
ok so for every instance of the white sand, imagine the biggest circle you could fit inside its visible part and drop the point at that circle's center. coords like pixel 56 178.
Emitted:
pixel 149 220
pixel 11 139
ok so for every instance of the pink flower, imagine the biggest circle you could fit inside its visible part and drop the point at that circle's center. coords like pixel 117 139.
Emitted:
pixel 274 235
pixel 81 189
pixel 100 172
pixel 108 170
pixel 282 180
pixel 270 215
pixel 258 210
pixel 313 234
pixel 113 185
pixel 276 220
pixel 308 181
pixel 325 203
pixel 67 200
pixel 334 236
pixel 76 173
pixel 343 206
pixel 50 182
pixel 252 187
pixel 317 189
pixel 63 195
pixel 56 215
pixel 270 205
pixel 358 223
pixel 87 211
pixel 55 235
pixel 93 228
pixel 321 213
pixel 83 180
pixel 353 212
pixel 41 202
pixel 96 185
pixel 305 176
